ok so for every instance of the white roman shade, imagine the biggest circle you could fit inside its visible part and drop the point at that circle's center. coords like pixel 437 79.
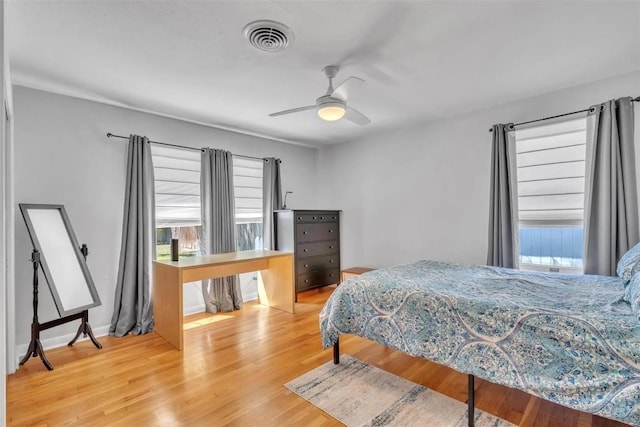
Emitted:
pixel 551 169
pixel 247 182
pixel 177 186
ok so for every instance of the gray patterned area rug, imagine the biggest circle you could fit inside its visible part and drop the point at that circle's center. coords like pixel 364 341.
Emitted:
pixel 358 394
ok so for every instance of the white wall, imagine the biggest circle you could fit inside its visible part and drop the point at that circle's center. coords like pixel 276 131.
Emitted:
pixel 62 156
pixel 423 192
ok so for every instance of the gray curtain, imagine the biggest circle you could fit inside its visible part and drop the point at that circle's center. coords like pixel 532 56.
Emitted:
pixel 218 227
pixel 503 209
pixel 133 312
pixel 611 203
pixel 271 199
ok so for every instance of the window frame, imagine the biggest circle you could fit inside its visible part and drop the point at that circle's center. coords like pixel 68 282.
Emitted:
pixel 240 190
pixel 575 126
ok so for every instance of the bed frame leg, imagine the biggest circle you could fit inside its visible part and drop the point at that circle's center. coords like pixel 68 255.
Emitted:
pixel 336 352
pixel 470 401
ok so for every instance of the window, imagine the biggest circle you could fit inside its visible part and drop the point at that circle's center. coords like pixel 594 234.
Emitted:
pixel 247 183
pixel 551 170
pixel 177 192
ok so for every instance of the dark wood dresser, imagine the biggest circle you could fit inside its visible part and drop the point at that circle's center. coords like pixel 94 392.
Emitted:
pixel 314 238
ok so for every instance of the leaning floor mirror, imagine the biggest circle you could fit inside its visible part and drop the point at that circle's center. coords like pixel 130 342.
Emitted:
pixel 63 264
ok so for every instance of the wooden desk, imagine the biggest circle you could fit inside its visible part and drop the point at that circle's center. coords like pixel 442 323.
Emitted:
pixel 275 284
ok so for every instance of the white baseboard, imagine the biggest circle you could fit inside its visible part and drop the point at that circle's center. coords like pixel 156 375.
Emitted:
pixel 60 341
pixel 250 297
pixel 198 308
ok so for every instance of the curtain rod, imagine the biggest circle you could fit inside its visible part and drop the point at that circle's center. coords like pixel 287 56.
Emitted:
pixel 110 135
pixel 560 115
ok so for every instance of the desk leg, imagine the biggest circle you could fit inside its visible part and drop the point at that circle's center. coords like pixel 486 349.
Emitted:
pixel 276 287
pixel 167 304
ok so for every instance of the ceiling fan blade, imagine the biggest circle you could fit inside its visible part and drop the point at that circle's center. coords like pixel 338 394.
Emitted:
pixel 293 110
pixel 356 116
pixel 342 91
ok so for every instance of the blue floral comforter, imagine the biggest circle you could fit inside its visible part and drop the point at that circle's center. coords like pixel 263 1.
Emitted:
pixel 569 339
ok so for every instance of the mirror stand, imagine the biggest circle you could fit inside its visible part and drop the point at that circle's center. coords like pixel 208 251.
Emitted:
pixel 35 346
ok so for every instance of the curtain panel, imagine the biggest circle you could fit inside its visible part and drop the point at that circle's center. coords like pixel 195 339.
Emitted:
pixel 271 199
pixel 133 311
pixel 611 223
pixel 503 202
pixel 218 226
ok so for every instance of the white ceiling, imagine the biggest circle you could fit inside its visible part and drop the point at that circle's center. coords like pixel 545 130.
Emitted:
pixel 421 60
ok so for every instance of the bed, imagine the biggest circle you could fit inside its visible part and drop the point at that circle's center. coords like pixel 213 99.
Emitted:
pixel 570 339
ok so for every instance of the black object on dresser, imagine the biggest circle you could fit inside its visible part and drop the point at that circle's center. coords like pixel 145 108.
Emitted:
pixel 314 238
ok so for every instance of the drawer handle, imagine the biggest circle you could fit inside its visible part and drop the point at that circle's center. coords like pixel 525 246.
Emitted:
pixel 313 217
pixel 330 274
pixel 330 231
pixel 306 280
pixel 330 247
pixel 307 265
pixel 333 217
pixel 331 261
pixel 305 250
pixel 300 218
pixel 321 217
pixel 304 232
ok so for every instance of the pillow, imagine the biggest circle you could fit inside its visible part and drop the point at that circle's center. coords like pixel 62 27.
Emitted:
pixel 628 264
pixel 632 295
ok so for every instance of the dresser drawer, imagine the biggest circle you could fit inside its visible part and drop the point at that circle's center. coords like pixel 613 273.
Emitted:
pixel 306 218
pixel 306 250
pixel 317 278
pixel 317 231
pixel 328 218
pixel 317 263
pixel 313 235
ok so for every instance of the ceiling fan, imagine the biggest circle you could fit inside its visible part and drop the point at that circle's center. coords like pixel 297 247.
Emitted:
pixel 332 105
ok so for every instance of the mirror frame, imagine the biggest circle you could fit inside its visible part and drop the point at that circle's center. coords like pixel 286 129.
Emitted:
pixel 24 208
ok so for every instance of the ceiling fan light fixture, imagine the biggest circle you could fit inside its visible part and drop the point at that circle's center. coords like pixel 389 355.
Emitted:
pixel 331 111
pixel 332 106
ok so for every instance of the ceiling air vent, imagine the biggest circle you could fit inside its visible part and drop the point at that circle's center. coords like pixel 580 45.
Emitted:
pixel 268 36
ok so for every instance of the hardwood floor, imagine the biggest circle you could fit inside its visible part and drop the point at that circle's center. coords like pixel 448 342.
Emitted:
pixel 231 372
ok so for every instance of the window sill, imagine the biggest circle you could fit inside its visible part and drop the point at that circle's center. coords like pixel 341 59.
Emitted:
pixel 552 269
